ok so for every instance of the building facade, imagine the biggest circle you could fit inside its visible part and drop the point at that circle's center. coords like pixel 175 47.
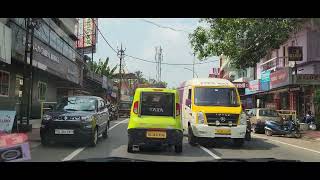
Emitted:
pixel 58 68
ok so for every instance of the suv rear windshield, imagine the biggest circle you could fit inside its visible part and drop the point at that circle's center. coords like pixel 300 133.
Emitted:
pixel 157 104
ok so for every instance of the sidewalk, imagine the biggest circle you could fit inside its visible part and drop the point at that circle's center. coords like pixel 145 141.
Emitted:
pixel 313 135
pixel 34 135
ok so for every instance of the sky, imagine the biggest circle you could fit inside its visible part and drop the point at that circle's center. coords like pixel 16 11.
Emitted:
pixel 140 38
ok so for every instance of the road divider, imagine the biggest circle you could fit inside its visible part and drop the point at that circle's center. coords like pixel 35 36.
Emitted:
pixel 77 151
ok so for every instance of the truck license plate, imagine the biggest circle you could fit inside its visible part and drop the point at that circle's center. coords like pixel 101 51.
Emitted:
pixel 223 131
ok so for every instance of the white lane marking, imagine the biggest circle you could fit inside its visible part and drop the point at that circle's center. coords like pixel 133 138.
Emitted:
pixel 77 151
pixel 210 153
pixel 307 149
pixel 73 154
pixel 118 124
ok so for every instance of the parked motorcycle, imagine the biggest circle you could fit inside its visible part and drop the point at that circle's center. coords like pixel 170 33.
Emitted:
pixel 288 128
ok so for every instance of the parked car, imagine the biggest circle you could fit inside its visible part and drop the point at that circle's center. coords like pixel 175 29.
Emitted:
pixel 77 119
pixel 258 117
pixel 124 108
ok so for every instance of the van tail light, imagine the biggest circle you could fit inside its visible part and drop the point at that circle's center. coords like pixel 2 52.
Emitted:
pixel 177 109
pixel 136 107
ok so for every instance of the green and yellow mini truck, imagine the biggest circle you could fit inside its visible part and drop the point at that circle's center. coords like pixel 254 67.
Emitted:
pixel 155 119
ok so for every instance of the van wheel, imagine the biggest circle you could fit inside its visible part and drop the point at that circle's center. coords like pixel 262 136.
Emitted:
pixel 191 137
pixel 178 148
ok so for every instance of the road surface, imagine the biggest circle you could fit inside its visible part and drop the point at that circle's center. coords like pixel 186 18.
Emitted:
pixel 261 146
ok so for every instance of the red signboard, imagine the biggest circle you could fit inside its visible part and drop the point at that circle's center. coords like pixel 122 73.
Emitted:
pixel 280 78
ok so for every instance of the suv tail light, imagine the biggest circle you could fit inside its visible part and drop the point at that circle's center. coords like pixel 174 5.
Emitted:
pixel 136 107
pixel 177 109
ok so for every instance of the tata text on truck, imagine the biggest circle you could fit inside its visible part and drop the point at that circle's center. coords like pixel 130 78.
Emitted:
pixel 211 108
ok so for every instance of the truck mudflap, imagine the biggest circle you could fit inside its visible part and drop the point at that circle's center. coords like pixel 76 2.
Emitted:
pixel 202 130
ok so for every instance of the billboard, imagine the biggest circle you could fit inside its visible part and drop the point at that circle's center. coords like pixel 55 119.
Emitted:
pixel 87 35
pixel 280 78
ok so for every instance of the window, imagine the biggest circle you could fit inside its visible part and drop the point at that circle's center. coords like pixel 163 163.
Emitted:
pixel 157 104
pixel 42 91
pixel 4 83
pixel 189 94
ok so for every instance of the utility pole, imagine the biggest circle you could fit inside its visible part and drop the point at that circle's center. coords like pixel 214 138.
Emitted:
pixel 121 55
pixel 160 60
pixel 30 23
pixel 194 56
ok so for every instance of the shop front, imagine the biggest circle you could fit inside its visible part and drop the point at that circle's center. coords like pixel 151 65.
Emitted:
pixel 308 84
pixel 250 94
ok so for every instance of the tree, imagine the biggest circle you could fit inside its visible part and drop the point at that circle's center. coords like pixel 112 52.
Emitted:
pixel 102 68
pixel 244 40
pixel 141 79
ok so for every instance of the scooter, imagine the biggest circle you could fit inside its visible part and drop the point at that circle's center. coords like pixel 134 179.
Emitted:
pixel 288 129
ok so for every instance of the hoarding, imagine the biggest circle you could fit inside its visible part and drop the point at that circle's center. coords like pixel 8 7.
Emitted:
pixel 87 35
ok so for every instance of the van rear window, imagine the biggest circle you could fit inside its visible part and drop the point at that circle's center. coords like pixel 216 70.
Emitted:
pixel 157 104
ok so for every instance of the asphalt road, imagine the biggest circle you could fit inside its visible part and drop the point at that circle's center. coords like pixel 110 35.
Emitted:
pixel 261 146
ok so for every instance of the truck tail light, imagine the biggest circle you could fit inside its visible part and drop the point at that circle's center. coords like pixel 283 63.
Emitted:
pixel 177 109
pixel 136 107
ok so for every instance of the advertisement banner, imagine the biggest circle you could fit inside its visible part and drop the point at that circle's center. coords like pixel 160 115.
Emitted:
pixel 6 121
pixel 280 78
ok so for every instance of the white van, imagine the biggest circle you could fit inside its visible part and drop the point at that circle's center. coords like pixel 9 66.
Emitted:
pixel 211 108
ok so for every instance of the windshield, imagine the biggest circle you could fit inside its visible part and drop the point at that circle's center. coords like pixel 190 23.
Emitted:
pixel 74 92
pixel 268 113
pixel 76 104
pixel 215 97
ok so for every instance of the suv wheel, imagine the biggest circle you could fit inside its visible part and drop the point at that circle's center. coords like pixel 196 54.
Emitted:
pixel 105 133
pixel 94 138
pixel 44 141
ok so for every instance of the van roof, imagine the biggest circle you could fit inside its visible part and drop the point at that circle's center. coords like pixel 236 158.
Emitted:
pixel 210 82
pixel 156 90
